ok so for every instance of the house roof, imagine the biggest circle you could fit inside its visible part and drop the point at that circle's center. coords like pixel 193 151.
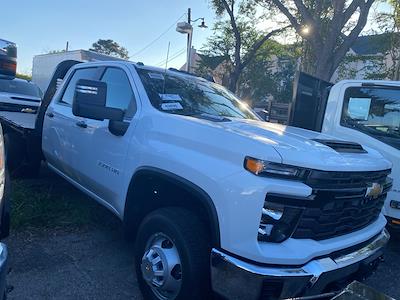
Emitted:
pixel 372 44
pixel 212 61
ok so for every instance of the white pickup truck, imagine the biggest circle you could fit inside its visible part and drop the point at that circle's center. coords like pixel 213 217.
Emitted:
pixel 215 198
pixel 363 111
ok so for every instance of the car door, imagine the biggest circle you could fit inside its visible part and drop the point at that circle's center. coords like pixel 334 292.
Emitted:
pixel 100 155
pixel 61 134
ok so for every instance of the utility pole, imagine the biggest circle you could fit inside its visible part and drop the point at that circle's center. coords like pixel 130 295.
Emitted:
pixel 187 28
pixel 189 42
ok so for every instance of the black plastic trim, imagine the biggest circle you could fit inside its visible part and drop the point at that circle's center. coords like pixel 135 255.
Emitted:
pixel 191 188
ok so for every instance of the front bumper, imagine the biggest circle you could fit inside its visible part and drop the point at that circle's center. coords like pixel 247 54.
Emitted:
pixel 393 224
pixel 235 278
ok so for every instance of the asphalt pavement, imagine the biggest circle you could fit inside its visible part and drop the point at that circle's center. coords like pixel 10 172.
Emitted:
pixel 98 264
pixel 93 261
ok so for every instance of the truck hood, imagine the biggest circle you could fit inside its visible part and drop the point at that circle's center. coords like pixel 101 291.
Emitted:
pixel 298 147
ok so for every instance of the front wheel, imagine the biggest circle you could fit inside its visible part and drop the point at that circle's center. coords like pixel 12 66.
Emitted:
pixel 172 256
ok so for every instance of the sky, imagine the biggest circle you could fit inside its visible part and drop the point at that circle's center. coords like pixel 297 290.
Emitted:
pixel 42 25
pixel 38 26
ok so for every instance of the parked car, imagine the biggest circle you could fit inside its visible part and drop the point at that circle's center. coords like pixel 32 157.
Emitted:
pixel 8 58
pixel 18 95
pixel 363 111
pixel 214 197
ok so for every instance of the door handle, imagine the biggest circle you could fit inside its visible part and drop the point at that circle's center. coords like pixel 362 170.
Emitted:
pixel 50 115
pixel 81 124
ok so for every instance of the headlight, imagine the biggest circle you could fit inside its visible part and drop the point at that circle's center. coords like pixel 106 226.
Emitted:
pixel 266 168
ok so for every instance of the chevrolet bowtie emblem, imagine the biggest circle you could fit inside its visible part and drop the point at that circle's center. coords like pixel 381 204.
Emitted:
pixel 374 191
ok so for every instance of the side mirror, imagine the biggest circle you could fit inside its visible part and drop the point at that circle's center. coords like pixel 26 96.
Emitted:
pixel 90 101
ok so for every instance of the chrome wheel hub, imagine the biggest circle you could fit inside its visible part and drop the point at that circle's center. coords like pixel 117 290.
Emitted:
pixel 161 267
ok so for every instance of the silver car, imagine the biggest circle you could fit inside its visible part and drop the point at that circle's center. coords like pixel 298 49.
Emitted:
pixel 18 95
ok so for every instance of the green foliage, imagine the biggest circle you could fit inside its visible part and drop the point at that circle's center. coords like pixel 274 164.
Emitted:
pixel 372 67
pixel 270 75
pixel 24 76
pixel 327 28
pixel 389 23
pixel 222 41
pixel 110 47
pixel 270 72
pixel 50 202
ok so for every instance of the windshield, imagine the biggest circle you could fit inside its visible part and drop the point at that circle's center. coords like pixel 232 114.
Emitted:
pixel 374 111
pixel 191 96
pixel 19 87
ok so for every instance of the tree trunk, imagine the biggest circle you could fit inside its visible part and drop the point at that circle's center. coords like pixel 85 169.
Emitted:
pixel 234 79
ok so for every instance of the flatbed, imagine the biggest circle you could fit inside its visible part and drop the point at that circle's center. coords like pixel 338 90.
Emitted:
pixel 18 120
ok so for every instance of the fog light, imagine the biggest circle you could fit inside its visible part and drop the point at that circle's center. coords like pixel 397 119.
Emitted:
pixel 277 222
pixel 395 204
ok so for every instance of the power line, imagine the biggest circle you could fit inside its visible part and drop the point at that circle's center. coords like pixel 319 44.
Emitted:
pixel 179 52
pixel 157 38
pixel 173 56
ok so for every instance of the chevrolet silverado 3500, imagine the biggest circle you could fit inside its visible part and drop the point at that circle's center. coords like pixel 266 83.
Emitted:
pixel 215 198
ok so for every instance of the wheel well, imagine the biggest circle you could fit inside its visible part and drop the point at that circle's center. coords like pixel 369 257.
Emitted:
pixel 152 188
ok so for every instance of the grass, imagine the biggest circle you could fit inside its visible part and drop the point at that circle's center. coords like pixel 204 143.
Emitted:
pixel 51 202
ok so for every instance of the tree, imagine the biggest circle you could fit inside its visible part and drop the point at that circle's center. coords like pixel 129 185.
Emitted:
pixel 110 47
pixel 270 75
pixel 241 19
pixel 389 23
pixel 329 29
pixel 24 76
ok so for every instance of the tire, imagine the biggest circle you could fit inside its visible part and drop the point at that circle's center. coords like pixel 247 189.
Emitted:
pixel 189 239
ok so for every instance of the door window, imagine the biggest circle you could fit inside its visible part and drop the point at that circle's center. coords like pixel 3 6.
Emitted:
pixel 374 111
pixel 87 73
pixel 119 91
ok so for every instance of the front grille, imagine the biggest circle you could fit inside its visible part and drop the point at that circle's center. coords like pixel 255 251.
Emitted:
pixel 343 180
pixel 12 107
pixel 338 204
pixel 340 213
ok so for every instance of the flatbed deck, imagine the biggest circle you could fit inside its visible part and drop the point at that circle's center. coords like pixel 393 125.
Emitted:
pixel 18 120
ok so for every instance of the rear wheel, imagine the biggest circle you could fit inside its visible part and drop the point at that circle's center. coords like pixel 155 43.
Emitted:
pixel 172 256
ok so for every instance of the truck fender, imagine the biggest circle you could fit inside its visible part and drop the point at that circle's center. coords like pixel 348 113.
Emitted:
pixel 133 212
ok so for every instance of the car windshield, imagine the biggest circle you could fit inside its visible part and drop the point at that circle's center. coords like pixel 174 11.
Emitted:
pixel 192 96
pixel 374 111
pixel 19 87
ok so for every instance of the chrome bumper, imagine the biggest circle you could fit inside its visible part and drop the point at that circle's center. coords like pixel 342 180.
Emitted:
pixel 237 279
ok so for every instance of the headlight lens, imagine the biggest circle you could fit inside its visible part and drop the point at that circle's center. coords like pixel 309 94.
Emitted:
pixel 266 168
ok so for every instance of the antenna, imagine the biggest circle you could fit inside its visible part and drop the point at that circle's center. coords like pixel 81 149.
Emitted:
pixel 166 67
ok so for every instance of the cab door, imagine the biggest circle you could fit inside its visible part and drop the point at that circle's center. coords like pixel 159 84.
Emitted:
pixel 61 135
pixel 100 155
